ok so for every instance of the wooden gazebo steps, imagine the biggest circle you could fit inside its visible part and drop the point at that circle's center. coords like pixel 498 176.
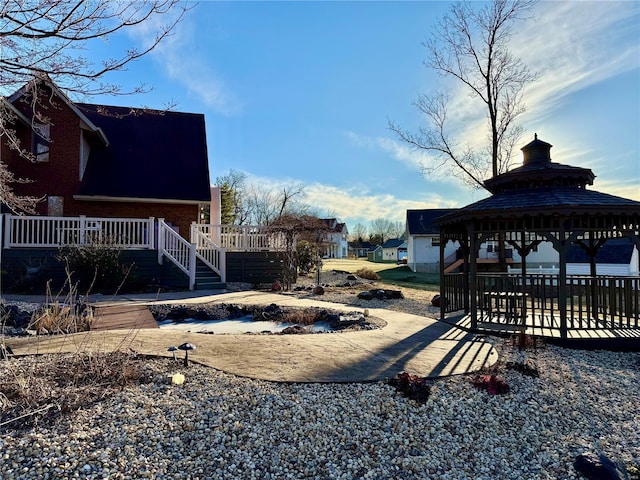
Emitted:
pixel 119 317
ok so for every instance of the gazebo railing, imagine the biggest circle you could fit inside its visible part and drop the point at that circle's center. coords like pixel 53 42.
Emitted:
pixel 611 302
pixel 455 291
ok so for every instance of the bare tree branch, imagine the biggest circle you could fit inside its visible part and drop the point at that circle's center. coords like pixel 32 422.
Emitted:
pixel 44 40
pixel 471 45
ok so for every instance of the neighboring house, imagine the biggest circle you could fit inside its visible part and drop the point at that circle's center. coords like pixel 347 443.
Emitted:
pixel 336 240
pixel 392 249
pixel 617 257
pixel 423 241
pixel 104 161
pixel 375 253
pixel 359 249
pixel 423 247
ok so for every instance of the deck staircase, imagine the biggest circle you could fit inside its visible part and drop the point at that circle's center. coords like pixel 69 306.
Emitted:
pixel 207 279
pixel 450 268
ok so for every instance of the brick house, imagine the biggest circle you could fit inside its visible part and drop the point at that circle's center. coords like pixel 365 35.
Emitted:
pixel 136 176
pixel 105 161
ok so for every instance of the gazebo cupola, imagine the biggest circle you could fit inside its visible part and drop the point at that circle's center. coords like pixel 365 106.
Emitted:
pixel 538 171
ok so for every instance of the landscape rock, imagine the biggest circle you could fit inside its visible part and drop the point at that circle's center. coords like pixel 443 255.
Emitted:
pixel 294 330
pixel 437 301
pixel 599 468
pixel 318 290
pixel 381 294
pixel 367 295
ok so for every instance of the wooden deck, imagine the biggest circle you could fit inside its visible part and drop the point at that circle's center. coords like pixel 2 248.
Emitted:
pixel 605 337
pixel 122 317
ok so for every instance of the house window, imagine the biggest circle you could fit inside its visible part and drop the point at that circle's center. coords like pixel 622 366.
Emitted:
pixel 435 242
pixel 55 206
pixel 41 142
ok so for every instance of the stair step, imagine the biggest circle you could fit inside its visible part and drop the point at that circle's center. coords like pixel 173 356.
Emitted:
pixel 211 285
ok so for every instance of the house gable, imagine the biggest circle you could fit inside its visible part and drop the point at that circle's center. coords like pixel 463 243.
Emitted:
pixel 109 161
pixel 420 222
pixel 55 171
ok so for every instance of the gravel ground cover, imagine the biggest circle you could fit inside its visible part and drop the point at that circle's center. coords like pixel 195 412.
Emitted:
pixel 219 426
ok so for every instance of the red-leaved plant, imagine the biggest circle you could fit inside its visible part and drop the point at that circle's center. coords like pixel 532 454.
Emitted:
pixel 412 386
pixel 491 384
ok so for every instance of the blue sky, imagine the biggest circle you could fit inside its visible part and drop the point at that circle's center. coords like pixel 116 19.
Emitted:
pixel 302 92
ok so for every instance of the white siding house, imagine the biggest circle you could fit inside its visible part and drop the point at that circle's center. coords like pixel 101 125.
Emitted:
pixel 423 246
pixel 392 250
pixel 618 257
pixel 423 241
pixel 337 240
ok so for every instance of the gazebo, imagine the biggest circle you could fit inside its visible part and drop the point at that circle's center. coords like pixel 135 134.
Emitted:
pixel 542 201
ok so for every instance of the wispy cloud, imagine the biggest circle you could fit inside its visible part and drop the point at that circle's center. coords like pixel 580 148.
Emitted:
pixel 355 204
pixel 399 151
pixel 574 45
pixel 408 156
pixel 179 55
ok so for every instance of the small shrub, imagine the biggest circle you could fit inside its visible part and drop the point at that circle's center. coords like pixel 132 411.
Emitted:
pixel 412 386
pixel 41 388
pixel 368 274
pixel 491 384
pixel 96 265
pixel 57 317
pixel 528 368
pixel 307 256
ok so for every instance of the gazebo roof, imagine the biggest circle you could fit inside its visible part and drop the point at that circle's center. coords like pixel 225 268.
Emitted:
pixel 547 201
pixel 541 187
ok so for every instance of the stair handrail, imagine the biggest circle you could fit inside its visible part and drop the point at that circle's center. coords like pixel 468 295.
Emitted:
pixel 178 250
pixel 449 259
pixel 211 254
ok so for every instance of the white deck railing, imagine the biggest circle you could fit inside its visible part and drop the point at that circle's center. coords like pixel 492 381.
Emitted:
pixel 211 254
pixel 182 253
pixel 43 232
pixel 242 238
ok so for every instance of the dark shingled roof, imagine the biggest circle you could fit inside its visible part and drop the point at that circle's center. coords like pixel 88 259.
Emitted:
pixel 550 199
pixel 151 155
pixel 392 243
pixel 420 222
pixel 616 251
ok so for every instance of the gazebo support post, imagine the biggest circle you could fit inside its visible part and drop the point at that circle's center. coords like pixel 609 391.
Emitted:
pixel 473 275
pixel 523 252
pixel 443 300
pixel 563 245
pixel 465 272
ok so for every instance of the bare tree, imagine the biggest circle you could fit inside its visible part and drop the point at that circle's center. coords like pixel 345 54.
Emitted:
pixel 359 232
pixel 397 229
pixel 266 204
pixel 381 230
pixel 46 39
pixel 471 45
pixel 293 228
